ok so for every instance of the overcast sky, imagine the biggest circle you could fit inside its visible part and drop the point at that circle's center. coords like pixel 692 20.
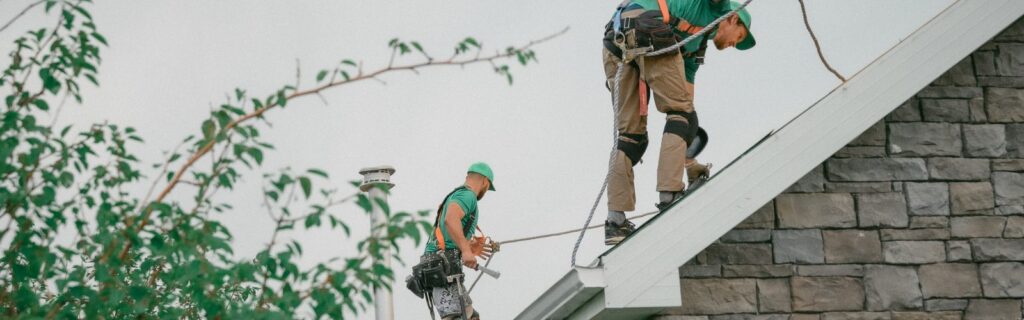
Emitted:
pixel 547 136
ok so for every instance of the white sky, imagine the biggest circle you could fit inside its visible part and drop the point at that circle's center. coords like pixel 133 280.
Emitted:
pixel 547 137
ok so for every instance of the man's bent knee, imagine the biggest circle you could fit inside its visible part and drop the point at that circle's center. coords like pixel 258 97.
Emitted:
pixel 633 145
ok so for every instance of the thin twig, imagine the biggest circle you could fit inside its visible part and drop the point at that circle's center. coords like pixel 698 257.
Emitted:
pixel 817 46
pixel 313 91
pixel 20 14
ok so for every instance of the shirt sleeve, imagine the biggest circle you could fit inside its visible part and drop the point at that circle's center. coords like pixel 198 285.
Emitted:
pixel 465 199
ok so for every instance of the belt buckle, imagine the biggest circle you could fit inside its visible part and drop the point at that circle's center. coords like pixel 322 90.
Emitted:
pixel 628 55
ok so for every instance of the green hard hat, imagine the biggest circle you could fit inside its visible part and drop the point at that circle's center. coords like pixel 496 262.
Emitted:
pixel 747 42
pixel 484 170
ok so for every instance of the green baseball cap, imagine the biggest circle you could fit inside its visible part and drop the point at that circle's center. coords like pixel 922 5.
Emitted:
pixel 484 170
pixel 747 42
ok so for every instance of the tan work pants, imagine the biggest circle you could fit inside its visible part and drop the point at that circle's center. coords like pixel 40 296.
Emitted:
pixel 665 76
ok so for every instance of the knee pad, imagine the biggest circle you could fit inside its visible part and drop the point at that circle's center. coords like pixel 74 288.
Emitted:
pixel 684 129
pixel 699 143
pixel 634 146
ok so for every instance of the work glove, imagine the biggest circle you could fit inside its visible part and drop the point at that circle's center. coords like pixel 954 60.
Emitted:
pixel 482 247
pixel 696 171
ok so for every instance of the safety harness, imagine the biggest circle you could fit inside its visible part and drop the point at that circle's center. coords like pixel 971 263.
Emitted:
pixel 442 267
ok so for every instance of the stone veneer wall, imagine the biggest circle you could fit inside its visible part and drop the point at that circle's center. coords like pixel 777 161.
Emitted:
pixel 921 217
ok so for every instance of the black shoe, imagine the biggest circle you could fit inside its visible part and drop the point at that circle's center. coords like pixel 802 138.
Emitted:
pixel 615 233
pixel 665 205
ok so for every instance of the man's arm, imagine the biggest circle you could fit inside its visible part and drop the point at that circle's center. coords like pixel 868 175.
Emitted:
pixel 453 223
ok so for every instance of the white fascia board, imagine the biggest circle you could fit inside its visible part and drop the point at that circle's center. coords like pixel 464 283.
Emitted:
pixel 642 261
pixel 573 290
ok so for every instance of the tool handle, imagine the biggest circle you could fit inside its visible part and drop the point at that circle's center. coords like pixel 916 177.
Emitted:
pixel 493 273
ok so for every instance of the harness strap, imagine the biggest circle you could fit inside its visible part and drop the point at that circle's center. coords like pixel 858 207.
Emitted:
pixel 437 221
pixel 663 5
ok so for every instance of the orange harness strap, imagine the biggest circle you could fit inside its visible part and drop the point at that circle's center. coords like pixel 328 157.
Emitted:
pixel 663 5
pixel 440 236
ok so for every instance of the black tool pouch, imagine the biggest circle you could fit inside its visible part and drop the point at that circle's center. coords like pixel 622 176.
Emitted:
pixel 433 271
pixel 651 30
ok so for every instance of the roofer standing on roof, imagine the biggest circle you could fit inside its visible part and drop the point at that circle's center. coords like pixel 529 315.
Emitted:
pixel 456 224
pixel 659 24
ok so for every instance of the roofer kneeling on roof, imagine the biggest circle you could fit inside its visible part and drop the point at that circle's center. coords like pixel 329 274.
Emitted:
pixel 439 277
pixel 640 26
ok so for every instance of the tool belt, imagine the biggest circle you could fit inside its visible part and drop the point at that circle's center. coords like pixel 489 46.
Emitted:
pixel 434 271
pixel 649 30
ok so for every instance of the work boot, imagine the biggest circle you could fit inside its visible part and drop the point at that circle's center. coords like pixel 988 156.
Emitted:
pixel 669 198
pixel 697 174
pixel 614 233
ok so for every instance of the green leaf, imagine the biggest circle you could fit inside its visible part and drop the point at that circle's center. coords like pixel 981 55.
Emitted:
pixel 321 75
pixel 209 129
pixel 41 104
pixel 317 172
pixel 256 154
pixel 307 186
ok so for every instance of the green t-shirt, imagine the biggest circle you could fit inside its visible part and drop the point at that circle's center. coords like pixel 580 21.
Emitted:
pixel 467 201
pixel 696 12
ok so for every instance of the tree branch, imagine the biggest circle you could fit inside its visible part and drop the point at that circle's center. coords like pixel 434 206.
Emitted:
pixel 20 14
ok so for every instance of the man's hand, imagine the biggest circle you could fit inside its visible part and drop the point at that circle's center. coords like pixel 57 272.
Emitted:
pixel 469 259
pixel 480 248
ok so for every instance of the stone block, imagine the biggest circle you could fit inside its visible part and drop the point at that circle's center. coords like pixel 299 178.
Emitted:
pixel 1011 165
pixel 932 92
pixel 984 64
pixel 961 74
pixel 928 222
pixel 908 111
pixel 915 234
pixel 929 198
pixel 1015 140
pixel 751 317
pixel 700 271
pixel 1004 105
pixel 892 288
pixel 804 316
pixel 1009 210
pixel 945 110
pixel 747 235
pixel 919 139
pixel 883 210
pixel 813 181
pixel 1003 279
pixel 763 218
pixel 827 294
pixel 856 316
pixel 958 169
pixel 993 310
pixel 970 197
pixel 958 251
pixel 1009 188
pixel 860 152
pixel 977 110
pixel 757 271
pixel 798 246
pixel 876 169
pixel 1010 59
pixel 739 253
pixel 852 246
pixel 945 304
pixel 998 249
pixel 977 227
pixel 816 210
pixel 858 187
pixel 1002 82
pixel 874 136
pixel 913 252
pixel 679 317
pixel 1013 33
pixel 988 140
pixel 718 296
pixel 950 280
pixel 832 270
pixel 1014 227
pixel 773 295
pixel 946 315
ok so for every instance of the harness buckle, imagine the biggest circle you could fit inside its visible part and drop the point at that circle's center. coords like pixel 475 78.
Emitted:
pixel 628 55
